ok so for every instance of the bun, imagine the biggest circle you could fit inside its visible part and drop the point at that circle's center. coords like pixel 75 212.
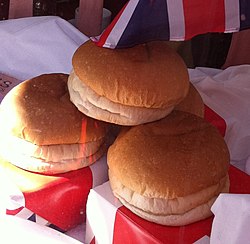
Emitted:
pixel 89 103
pixel 173 212
pixel 149 79
pixel 43 131
pixel 39 110
pixel 192 103
pixel 181 158
pixel 51 159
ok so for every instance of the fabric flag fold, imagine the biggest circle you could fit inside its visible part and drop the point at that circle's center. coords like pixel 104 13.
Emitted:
pixel 142 21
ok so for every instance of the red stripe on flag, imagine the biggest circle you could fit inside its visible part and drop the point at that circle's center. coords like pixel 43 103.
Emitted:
pixel 215 120
pixel 105 34
pixel 63 203
pixel 202 16
pixel 14 211
pixel 130 228
pixel 92 241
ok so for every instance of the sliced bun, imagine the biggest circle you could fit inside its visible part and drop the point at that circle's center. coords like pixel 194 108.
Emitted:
pixel 171 168
pixel 42 131
pixel 39 165
pixel 93 105
pixel 140 84
pixel 51 159
pixel 173 212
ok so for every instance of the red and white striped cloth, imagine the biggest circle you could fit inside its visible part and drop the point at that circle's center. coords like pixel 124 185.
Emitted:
pixel 60 202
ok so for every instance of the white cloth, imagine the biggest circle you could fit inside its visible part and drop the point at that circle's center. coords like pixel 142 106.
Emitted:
pixel 35 45
pixel 101 214
pixel 227 92
pixel 15 230
pixel 232 219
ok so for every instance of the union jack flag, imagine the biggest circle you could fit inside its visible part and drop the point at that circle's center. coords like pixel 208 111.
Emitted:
pixel 174 20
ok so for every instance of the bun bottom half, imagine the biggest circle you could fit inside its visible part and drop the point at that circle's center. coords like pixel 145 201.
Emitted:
pixel 60 165
pixel 101 108
pixel 171 212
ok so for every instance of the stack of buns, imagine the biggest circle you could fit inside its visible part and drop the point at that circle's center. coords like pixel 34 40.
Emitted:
pixel 167 164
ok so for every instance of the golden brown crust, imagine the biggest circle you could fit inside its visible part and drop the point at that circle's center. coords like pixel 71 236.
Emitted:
pixel 95 106
pixel 149 75
pixel 192 103
pixel 173 157
pixel 39 110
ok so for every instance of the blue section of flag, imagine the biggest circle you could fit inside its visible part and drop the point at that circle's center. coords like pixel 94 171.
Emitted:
pixel 148 22
pixel 244 14
pixel 56 228
pixel 32 218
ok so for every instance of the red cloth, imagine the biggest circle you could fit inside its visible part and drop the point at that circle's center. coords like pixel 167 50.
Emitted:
pixel 63 202
pixel 211 13
pixel 215 120
pixel 60 199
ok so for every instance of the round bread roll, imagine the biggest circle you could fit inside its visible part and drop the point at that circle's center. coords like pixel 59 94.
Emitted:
pixel 192 103
pixel 42 131
pixel 127 86
pixel 169 171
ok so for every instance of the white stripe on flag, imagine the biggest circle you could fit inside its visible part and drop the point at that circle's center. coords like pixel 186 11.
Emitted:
pixel 24 213
pixel 121 24
pixel 42 221
pixel 101 213
pixel 176 20
pixel 232 18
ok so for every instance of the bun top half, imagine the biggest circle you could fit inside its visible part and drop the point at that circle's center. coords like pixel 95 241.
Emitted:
pixel 173 157
pixel 150 75
pixel 39 110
